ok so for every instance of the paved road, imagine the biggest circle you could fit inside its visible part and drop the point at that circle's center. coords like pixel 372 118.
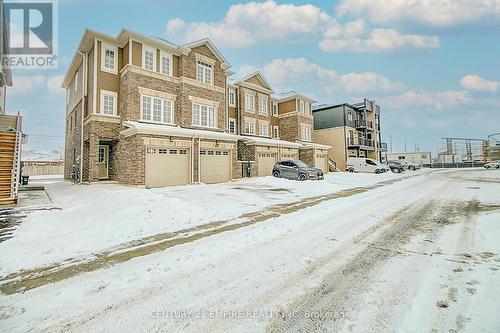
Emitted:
pixel 400 257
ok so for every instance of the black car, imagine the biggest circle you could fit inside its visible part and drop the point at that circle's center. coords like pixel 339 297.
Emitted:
pixel 298 170
pixel 396 166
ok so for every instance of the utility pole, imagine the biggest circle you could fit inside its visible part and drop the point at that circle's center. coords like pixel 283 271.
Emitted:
pixel 390 141
pixel 405 146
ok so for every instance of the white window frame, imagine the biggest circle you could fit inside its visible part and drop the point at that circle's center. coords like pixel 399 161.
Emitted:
pixel 252 127
pixel 206 66
pixel 232 121
pixel 266 126
pixel 307 108
pixel 76 80
pixel 249 97
pixel 276 132
pixel 349 115
pixel 263 105
pixel 163 101
pixel 114 49
pixel 305 133
pixel 302 106
pixel 112 94
pixel 232 92
pixel 275 109
pixel 145 49
pixel 170 58
pixel 208 108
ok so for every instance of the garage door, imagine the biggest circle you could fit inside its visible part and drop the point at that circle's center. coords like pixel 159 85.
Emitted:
pixel 166 167
pixel 265 164
pixel 321 162
pixel 215 166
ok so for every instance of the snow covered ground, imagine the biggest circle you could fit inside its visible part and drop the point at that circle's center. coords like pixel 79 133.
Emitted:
pixel 417 254
pixel 99 216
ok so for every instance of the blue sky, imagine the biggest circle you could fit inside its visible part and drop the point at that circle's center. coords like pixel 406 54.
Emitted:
pixel 432 66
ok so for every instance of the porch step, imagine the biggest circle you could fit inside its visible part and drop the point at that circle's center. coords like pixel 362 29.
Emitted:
pixel 8 202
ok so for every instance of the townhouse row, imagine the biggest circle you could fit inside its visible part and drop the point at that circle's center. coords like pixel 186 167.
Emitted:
pixel 143 111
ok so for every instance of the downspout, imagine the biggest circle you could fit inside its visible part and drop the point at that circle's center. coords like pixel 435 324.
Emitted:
pixel 199 158
pixel 346 146
pixel 192 158
pixel 84 92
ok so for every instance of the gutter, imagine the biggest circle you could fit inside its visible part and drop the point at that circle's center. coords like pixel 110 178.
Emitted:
pixel 84 93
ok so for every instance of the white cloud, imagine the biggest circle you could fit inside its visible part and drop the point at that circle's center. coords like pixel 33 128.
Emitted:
pixel 26 84
pixel 368 82
pixel 475 82
pixel 54 84
pixel 429 100
pixel 33 84
pixel 287 74
pixel 378 40
pixel 246 24
pixel 439 13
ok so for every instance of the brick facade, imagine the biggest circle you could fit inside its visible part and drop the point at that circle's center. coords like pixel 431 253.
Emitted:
pixel 127 155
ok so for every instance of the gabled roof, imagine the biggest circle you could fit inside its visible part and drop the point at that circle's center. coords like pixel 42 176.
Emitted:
pixel 211 46
pixel 260 77
pixel 87 42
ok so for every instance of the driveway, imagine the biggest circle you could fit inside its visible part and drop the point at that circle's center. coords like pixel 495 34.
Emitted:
pixel 406 254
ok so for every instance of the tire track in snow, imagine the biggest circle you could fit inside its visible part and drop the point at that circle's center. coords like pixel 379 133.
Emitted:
pixel 26 280
pixel 333 298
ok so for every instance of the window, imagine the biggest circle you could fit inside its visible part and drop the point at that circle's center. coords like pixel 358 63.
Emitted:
pixel 370 162
pixel 301 105
pixel 76 80
pixel 232 97
pixel 306 133
pixel 401 157
pixel 148 58
pixel 275 109
pixel 204 72
pixel 249 101
pixel 308 109
pixel 204 115
pixel 276 132
pixel 108 102
pixel 349 115
pixel 166 64
pixel 264 130
pixel 232 125
pixel 249 127
pixel 424 156
pixel 156 109
pixel 109 57
pixel 263 105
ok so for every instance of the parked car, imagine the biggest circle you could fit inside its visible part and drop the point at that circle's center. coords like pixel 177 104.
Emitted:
pixel 298 170
pixel 364 164
pixel 492 165
pixel 412 166
pixel 396 166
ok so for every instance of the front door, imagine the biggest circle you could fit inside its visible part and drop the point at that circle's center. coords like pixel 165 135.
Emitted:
pixel 103 162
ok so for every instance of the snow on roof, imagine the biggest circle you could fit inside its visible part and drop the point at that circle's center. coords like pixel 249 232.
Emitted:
pixel 135 127
pixel 41 156
pixel 270 142
pixel 315 145
pixel 291 94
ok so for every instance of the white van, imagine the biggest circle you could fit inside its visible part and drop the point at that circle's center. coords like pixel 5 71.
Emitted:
pixel 364 164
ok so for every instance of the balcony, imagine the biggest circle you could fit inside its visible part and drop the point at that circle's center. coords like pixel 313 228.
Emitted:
pixel 382 146
pixel 363 123
pixel 361 143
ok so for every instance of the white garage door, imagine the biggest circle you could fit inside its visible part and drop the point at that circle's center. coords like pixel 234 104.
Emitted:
pixel 321 162
pixel 265 164
pixel 215 166
pixel 166 167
